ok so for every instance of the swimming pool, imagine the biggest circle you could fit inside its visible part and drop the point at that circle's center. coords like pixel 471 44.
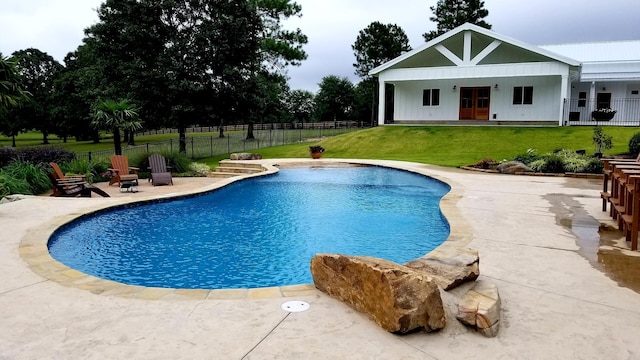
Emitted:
pixel 259 232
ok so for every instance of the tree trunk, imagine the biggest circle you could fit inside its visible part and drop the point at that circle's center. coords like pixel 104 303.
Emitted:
pixel 131 138
pixel 13 141
pixel 116 141
pixel 182 131
pixel 250 135
pixel 45 137
pixel 96 136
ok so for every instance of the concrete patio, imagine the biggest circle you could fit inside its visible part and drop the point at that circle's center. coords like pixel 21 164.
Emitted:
pixel 537 238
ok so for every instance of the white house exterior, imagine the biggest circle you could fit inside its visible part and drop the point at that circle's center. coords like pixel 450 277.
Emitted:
pixel 471 73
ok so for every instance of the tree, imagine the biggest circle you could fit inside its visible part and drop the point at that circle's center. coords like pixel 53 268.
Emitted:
pixel 279 47
pixel 299 104
pixel 377 44
pixel 128 47
pixel 76 91
pixel 116 116
pixel 11 91
pixel 335 98
pixel 449 14
pixel 12 96
pixel 38 71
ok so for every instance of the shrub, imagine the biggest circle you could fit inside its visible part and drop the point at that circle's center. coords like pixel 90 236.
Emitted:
pixel 538 165
pixel 576 164
pixel 45 155
pixel 7 154
pixel 634 145
pixel 11 185
pixel 527 157
pixel 178 161
pixel 548 163
pixel 485 163
pixel 35 175
pixel 199 169
pixel 91 170
pixel 553 164
pixel 594 166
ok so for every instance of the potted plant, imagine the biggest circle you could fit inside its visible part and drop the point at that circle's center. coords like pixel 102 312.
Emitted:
pixel 316 151
pixel 601 140
pixel 603 114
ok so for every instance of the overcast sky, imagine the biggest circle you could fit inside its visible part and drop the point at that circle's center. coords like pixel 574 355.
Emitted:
pixel 56 26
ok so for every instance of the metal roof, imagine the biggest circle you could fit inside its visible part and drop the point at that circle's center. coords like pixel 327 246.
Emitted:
pixel 598 51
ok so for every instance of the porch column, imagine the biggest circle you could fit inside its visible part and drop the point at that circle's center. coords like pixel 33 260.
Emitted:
pixel 564 95
pixel 381 97
pixel 592 98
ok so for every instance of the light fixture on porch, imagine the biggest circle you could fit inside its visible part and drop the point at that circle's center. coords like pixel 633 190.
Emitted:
pixel 454 88
pixel 604 88
pixel 496 87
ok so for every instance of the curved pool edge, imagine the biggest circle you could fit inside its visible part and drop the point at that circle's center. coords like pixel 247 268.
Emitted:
pixel 34 251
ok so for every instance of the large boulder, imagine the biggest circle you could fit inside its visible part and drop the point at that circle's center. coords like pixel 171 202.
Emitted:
pixel 246 156
pixel 449 269
pixel 480 308
pixel 513 167
pixel 394 296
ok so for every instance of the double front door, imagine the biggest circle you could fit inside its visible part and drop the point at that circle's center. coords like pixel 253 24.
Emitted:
pixel 474 103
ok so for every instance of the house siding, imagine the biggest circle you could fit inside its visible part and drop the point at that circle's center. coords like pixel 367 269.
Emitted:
pixel 546 99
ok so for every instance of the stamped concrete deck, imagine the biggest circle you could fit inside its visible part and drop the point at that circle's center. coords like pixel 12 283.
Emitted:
pixel 556 303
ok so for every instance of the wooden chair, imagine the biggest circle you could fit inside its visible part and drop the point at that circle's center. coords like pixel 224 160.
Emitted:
pixel 120 170
pixel 159 173
pixel 71 186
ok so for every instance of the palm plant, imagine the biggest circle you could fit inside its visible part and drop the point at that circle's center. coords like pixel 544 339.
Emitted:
pixel 116 116
pixel 11 92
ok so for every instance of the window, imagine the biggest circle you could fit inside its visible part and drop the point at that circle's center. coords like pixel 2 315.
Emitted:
pixel 523 95
pixel 430 97
pixel 582 99
pixel 603 101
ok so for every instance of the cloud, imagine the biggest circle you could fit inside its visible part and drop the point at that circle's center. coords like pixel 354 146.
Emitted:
pixel 56 26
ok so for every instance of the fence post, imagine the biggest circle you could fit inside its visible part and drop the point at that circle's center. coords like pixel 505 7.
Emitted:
pixel 89 155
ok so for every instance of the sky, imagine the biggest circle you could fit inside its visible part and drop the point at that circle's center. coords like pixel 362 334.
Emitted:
pixel 56 26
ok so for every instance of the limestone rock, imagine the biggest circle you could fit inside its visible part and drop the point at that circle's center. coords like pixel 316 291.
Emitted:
pixel 393 296
pixel 480 307
pixel 246 156
pixel 449 269
pixel 512 167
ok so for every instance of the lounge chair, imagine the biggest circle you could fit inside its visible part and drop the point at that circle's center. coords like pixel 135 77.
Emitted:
pixel 71 186
pixel 120 170
pixel 159 173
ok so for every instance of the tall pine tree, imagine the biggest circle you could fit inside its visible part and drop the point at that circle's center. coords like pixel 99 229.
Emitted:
pixel 449 14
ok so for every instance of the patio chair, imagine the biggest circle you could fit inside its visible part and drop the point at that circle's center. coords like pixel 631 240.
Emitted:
pixel 159 173
pixel 71 186
pixel 120 170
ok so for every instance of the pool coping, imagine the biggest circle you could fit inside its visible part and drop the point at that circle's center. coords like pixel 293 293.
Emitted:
pixel 34 251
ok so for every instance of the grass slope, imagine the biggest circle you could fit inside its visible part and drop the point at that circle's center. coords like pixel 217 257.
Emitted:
pixel 455 145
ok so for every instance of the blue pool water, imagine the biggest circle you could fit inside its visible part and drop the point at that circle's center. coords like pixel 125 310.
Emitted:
pixel 259 232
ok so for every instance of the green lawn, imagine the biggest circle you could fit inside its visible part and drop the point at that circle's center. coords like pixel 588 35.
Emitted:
pixel 439 145
pixel 455 145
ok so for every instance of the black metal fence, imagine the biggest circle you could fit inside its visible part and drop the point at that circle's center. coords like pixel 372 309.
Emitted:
pixel 579 112
pixel 235 139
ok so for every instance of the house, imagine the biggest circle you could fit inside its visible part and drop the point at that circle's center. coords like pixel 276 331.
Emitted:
pixel 474 74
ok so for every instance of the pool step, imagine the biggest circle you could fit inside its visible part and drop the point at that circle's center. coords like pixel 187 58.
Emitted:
pixel 240 164
pixel 228 168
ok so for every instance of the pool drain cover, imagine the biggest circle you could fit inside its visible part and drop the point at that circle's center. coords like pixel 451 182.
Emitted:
pixel 295 306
